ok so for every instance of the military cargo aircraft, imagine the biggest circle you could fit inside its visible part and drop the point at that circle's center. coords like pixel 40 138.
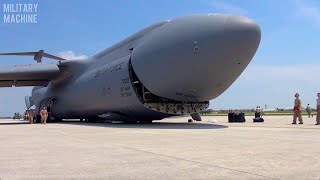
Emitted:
pixel 168 69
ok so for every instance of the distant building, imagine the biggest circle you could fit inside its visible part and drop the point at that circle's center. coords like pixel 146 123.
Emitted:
pixel 207 111
pixel 288 109
pixel 269 110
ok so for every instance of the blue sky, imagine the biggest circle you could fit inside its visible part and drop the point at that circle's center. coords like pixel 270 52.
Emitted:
pixel 286 62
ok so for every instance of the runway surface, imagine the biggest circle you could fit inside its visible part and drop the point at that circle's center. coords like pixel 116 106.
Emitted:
pixel 168 149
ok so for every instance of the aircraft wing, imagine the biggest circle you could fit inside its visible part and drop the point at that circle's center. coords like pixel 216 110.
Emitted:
pixel 28 75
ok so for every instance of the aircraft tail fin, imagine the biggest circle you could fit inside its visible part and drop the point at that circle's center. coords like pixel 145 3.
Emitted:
pixel 37 56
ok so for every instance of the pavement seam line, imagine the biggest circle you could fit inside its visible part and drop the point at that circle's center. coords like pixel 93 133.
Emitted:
pixel 198 162
pixel 178 158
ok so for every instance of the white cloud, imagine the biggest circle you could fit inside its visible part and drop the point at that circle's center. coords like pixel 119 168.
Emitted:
pixel 271 85
pixel 309 10
pixel 71 55
pixel 223 6
pixel 282 73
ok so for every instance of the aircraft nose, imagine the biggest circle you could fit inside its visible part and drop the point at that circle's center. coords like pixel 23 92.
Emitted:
pixel 242 24
pixel 232 50
pixel 241 33
pixel 196 58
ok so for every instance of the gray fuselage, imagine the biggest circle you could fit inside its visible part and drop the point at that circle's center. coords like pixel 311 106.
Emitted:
pixel 170 68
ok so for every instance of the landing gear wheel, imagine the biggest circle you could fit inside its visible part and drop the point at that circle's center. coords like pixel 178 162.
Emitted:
pixel 37 119
pixel 130 122
pixel 58 120
pixel 145 122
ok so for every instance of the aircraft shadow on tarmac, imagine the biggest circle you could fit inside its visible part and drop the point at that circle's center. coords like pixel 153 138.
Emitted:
pixel 13 123
pixel 154 125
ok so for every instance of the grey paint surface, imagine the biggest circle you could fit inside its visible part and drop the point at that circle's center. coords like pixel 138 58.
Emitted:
pixel 226 45
pixel 170 68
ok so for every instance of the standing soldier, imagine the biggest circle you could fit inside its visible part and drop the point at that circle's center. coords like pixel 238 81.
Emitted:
pixel 258 112
pixel 44 115
pixel 30 116
pixel 297 110
pixel 308 110
pixel 25 116
pixel 318 110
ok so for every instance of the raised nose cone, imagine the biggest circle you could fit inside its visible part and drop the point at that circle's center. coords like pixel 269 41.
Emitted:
pixel 243 31
pixel 241 24
pixel 196 58
pixel 242 36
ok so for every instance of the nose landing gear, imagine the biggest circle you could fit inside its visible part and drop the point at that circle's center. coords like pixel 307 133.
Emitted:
pixel 145 122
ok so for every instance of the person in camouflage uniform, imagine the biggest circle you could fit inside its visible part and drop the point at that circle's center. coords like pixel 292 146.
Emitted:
pixel 297 110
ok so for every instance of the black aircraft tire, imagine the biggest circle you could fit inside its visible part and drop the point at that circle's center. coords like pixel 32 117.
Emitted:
pixel 38 119
pixel 130 122
pixel 54 120
pixel 57 120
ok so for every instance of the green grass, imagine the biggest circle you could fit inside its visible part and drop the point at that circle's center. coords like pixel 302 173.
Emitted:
pixel 5 117
pixel 263 114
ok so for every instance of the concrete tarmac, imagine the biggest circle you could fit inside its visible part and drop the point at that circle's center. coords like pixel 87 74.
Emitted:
pixel 167 149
